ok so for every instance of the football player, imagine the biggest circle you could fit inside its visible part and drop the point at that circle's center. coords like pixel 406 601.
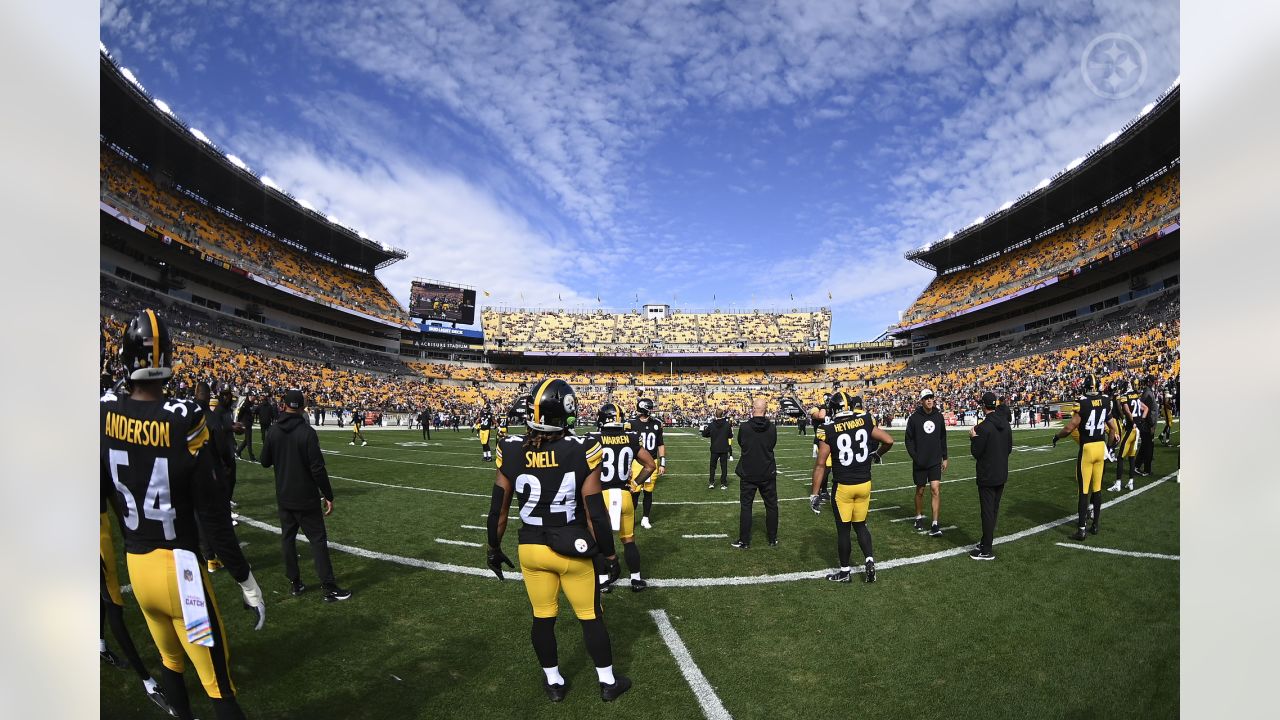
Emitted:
pixel 357 420
pixel 156 471
pixel 486 426
pixel 1165 399
pixel 564 524
pixel 819 417
pixel 1124 425
pixel 111 606
pixel 620 449
pixel 1148 411
pixel 847 435
pixel 1090 420
pixel 649 429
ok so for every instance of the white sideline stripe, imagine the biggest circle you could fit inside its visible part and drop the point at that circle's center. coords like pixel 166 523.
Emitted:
pixel 457 542
pixel 712 582
pixel 405 462
pixel 410 487
pixel 474 527
pixel 712 535
pixel 909 517
pixel 950 527
pixel 891 507
pixel 702 690
pixel 1126 553
pixel 372 555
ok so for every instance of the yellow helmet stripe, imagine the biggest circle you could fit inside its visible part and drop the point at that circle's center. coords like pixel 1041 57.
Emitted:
pixel 155 338
pixel 537 401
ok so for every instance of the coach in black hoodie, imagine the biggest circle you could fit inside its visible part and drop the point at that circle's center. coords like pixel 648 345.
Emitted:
pixel 991 442
pixel 720 431
pixel 756 440
pixel 292 447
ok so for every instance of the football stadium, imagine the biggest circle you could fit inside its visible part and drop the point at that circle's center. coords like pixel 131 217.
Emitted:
pixel 1051 323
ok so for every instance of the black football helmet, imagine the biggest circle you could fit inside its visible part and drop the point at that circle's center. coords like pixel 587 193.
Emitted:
pixel 1089 383
pixel 644 406
pixel 1120 386
pixel 520 409
pixel 842 403
pixel 609 416
pixel 145 350
pixel 554 406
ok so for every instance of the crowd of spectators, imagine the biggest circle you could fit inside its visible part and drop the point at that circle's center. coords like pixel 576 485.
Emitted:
pixel 194 223
pixel 552 330
pixel 1076 245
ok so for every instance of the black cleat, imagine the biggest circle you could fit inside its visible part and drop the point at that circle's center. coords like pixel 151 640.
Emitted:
pixel 297 588
pixel 980 554
pixel 1080 535
pixel 773 542
pixel 840 576
pixel 712 486
pixel 638 585
pixel 556 693
pixel 621 684
pixel 724 487
pixel 1093 528
pixel 919 524
pixel 335 594
pixel 606 589
pixel 869 572
pixel 156 696
pixel 935 530
pixel 739 544
pixel 113 659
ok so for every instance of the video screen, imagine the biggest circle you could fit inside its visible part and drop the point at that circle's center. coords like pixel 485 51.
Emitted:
pixel 442 302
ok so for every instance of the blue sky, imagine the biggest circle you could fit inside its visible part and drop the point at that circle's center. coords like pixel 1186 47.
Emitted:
pixel 674 151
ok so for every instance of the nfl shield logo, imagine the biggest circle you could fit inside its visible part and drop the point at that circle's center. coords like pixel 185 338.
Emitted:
pixel 186 575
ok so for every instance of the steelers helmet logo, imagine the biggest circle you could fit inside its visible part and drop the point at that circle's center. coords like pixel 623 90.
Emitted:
pixel 570 405
pixel 929 426
pixel 580 545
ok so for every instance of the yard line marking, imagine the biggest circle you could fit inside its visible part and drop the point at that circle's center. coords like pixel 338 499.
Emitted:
pixel 891 507
pixel 400 560
pixel 909 517
pixel 403 462
pixel 473 527
pixel 1126 553
pixel 457 542
pixel 410 487
pixel 702 690
pixel 712 535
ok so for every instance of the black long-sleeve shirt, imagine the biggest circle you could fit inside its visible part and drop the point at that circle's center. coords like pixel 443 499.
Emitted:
pixel 293 449
pixel 926 438
pixel 756 440
pixel 991 447
pixel 720 431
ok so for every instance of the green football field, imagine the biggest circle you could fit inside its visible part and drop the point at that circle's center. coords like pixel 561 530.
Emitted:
pixel 1043 631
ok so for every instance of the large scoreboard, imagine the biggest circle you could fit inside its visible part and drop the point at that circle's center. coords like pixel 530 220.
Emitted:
pixel 431 300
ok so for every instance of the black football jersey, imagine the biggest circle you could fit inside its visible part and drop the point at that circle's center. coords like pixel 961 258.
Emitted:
pixel 548 480
pixel 1095 410
pixel 851 445
pixel 156 469
pixel 618 450
pixel 649 431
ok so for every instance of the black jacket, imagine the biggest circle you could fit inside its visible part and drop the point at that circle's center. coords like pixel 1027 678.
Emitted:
pixel 926 448
pixel 756 439
pixel 267 413
pixel 245 415
pixel 720 430
pixel 222 440
pixel 292 447
pixel 991 447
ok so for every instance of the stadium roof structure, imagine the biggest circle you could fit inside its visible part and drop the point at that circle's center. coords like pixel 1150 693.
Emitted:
pixel 1148 143
pixel 147 129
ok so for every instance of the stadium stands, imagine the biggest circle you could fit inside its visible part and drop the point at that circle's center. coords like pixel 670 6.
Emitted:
pixel 1071 247
pixel 630 332
pixel 189 221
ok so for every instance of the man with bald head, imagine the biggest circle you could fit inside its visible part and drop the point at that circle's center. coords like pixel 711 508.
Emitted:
pixel 720 432
pixel 758 471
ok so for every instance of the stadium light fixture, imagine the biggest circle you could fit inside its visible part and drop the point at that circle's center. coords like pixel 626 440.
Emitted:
pixel 164 107
pixel 306 204
pixel 236 161
pixel 948 236
pixel 128 75
pixel 1147 108
pixel 1041 185
pixel 980 219
pixel 1007 204
pixel 269 183
pixel 102 48
pixel 1111 138
pixel 1075 163
pixel 1176 82
pixel 201 136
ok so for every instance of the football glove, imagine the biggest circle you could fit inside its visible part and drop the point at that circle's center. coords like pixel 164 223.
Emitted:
pixel 877 459
pixel 815 504
pixel 612 573
pixel 494 560
pixel 253 599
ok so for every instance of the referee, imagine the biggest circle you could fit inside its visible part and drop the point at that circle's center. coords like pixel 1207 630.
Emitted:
pixel 927 445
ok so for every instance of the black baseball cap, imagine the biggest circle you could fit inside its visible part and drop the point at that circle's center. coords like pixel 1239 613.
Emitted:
pixel 293 398
pixel 989 399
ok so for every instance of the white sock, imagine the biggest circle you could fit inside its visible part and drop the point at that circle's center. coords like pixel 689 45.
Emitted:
pixel 919 517
pixel 149 684
pixel 635 576
pixel 102 645
pixel 846 569
pixel 605 674
pixel 553 675
pixel 870 559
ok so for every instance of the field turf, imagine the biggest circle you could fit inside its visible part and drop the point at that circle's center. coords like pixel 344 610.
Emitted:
pixel 1043 631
